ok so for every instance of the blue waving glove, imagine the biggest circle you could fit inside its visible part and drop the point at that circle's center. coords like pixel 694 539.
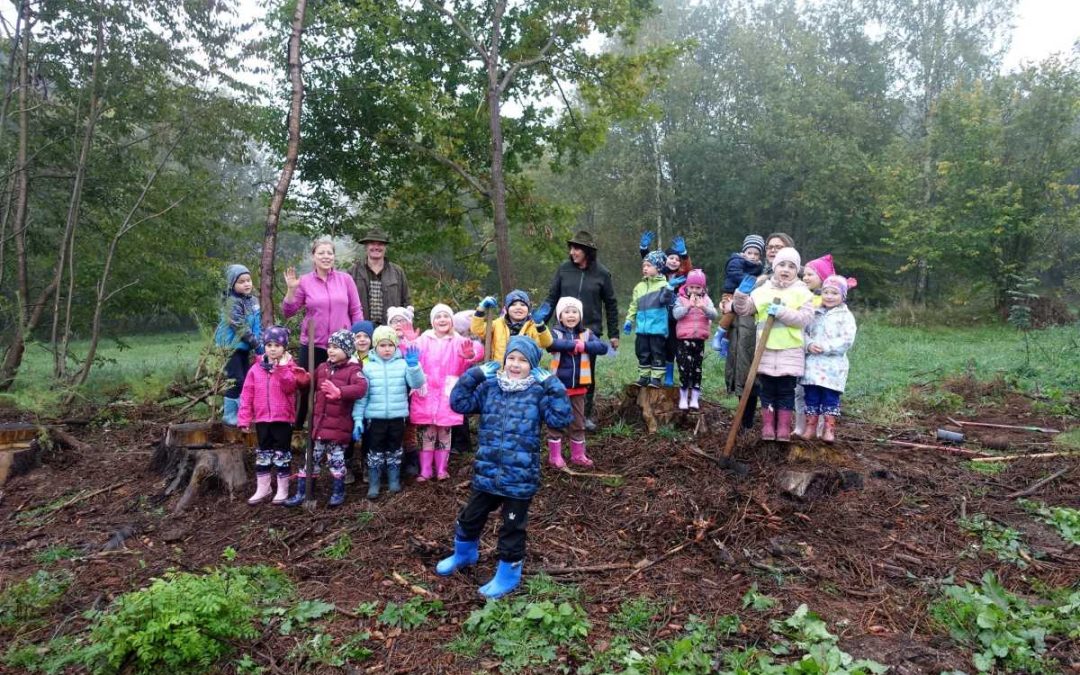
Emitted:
pixel 679 245
pixel 357 430
pixel 489 302
pixel 412 357
pixel 489 369
pixel 646 240
pixel 774 309
pixel 540 374
pixel 626 327
pixel 675 282
pixel 540 314
pixel 747 285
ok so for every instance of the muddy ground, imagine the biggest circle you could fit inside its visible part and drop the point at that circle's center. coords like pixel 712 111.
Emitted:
pixel 859 551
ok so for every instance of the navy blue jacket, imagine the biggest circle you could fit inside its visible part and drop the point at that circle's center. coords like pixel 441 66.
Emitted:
pixel 508 459
pixel 570 372
pixel 738 267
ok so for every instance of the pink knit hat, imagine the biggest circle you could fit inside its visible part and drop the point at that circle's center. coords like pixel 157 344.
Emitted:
pixel 696 277
pixel 463 322
pixel 823 266
pixel 840 283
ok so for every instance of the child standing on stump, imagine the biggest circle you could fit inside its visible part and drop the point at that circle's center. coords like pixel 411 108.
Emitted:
pixel 512 403
pixel 648 314
pixel 380 415
pixel 782 362
pixel 239 329
pixel 828 339
pixel 444 357
pixel 574 348
pixel 269 399
pixel 693 311
pixel 338 383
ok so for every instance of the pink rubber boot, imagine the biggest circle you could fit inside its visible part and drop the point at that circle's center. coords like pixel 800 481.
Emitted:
pixel 783 425
pixel 427 460
pixel 577 454
pixel 262 488
pixel 283 479
pixel 768 424
pixel 555 453
pixel 442 463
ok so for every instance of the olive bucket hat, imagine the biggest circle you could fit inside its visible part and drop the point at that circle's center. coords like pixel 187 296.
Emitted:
pixel 583 239
pixel 376 235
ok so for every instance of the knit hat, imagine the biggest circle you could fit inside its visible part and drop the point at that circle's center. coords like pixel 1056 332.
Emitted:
pixel 840 283
pixel 790 255
pixel 753 241
pixel 526 347
pixel 657 259
pixel 277 334
pixel 384 334
pixel 567 302
pixel 517 295
pixel 232 273
pixel 406 313
pixel 365 327
pixel 441 309
pixel 343 340
pixel 823 266
pixel 463 322
pixel 695 278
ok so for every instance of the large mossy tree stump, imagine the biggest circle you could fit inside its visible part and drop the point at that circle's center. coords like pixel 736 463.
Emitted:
pixel 196 452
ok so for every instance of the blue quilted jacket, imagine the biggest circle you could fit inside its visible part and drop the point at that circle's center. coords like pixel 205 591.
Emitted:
pixel 508 459
pixel 389 382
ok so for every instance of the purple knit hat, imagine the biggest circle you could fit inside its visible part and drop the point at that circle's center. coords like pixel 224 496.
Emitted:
pixel 277 335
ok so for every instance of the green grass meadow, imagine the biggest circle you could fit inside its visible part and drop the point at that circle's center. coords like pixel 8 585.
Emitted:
pixel 886 362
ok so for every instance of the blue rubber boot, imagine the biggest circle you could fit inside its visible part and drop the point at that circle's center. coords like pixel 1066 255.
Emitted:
pixel 725 345
pixel 231 410
pixel 465 553
pixel 669 374
pixel 393 477
pixel 374 477
pixel 506 579
pixel 301 491
pixel 337 496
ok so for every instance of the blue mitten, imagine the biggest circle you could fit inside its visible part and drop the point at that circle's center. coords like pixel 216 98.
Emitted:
pixel 626 328
pixel 412 357
pixel 747 285
pixel 774 309
pixel 646 240
pixel 675 282
pixel 540 374
pixel 679 246
pixel 489 302
pixel 540 314
pixel 489 369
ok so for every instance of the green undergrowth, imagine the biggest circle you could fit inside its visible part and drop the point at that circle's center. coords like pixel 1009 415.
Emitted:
pixel 1004 542
pixel 1063 519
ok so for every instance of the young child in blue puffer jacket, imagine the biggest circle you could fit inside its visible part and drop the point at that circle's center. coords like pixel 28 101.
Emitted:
pixel 239 329
pixel 512 403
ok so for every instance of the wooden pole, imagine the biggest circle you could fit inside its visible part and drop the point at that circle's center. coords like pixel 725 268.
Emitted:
pixel 1041 430
pixel 309 455
pixel 488 329
pixel 748 386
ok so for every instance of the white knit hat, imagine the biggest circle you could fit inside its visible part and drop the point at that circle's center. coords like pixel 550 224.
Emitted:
pixel 441 309
pixel 790 255
pixel 565 302
pixel 406 313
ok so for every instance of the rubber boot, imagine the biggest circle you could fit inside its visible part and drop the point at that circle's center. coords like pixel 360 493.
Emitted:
pixel 809 430
pixel 301 490
pixel 783 425
pixel 427 461
pixel 262 488
pixel 465 553
pixel 577 454
pixel 695 399
pixel 682 398
pixel 768 424
pixel 337 494
pixel 374 478
pixel 393 477
pixel 669 374
pixel 725 347
pixel 442 464
pixel 555 458
pixel 506 579
pixel 656 383
pixel 230 411
pixel 828 434
pixel 282 495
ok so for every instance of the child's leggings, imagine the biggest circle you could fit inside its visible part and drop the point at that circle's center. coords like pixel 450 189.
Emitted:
pixel 274 447
pixel 335 457
pixel 689 357
pixel 435 438
pixel 821 400
pixel 383 439
pixel 515 516
pixel 777 393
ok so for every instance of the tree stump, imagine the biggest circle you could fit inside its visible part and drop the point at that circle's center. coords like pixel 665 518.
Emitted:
pixel 195 452
pixel 19 450
pixel 653 406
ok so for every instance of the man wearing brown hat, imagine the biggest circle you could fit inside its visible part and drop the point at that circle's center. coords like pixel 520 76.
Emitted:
pixel 584 278
pixel 381 283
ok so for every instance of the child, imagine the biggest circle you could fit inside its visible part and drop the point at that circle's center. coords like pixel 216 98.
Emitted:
pixel 338 383
pixel 782 362
pixel 380 415
pixel 693 311
pixel 362 332
pixel 516 320
pixel 461 436
pixel 814 272
pixel 444 356
pixel 649 309
pixel 743 262
pixel 269 399
pixel 828 339
pixel 512 404
pixel 574 347
pixel 675 268
pixel 239 329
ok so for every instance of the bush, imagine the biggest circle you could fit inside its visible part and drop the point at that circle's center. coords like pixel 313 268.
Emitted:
pixel 22 603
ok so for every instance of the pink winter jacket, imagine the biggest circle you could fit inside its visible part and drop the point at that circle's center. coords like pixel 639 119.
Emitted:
pixel 271 397
pixel 443 363
pixel 332 305
pixel 692 323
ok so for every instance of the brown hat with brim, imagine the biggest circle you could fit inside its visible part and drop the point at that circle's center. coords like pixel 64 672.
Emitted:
pixel 375 235
pixel 583 239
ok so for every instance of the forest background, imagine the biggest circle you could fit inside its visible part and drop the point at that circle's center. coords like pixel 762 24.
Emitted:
pixel 138 158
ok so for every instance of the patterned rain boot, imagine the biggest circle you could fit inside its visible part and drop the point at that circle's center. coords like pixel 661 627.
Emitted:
pixel 783 425
pixel 768 424
pixel 262 488
pixel 809 431
pixel 828 434
pixel 301 490
pixel 337 495
pixel 555 457
pixel 577 454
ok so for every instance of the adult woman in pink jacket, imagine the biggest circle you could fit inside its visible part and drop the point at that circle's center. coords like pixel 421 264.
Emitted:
pixel 444 357
pixel 329 301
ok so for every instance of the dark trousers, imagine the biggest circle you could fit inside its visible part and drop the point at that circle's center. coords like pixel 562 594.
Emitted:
pixel 275 447
pixel 515 516
pixel 382 441
pixel 821 400
pixel 302 409
pixel 651 351
pixel 777 393
pixel 236 369
pixel 461 438
pixel 690 355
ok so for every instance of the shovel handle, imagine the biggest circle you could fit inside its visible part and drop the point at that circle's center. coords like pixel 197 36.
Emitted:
pixel 748 386
pixel 309 454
